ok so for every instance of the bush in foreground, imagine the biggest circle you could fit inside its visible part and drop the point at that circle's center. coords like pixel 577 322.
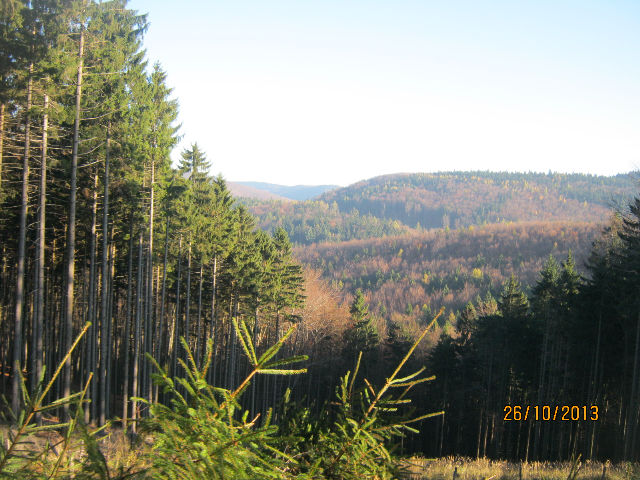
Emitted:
pixel 203 432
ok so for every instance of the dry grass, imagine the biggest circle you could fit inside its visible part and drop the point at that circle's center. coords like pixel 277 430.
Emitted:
pixel 484 469
pixel 120 454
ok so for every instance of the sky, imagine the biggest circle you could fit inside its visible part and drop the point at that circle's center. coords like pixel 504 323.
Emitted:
pixel 333 92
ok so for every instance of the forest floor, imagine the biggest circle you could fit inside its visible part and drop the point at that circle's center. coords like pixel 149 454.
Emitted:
pixel 122 456
pixel 485 469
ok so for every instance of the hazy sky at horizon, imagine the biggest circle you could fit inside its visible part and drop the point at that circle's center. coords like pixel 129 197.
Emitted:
pixel 332 92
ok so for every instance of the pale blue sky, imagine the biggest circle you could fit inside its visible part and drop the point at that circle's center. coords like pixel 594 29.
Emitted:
pixel 300 92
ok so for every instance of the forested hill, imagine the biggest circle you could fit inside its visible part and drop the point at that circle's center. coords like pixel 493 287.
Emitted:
pixel 460 199
pixel 315 221
pixel 407 277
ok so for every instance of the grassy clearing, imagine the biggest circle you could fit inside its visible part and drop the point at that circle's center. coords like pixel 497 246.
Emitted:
pixel 483 469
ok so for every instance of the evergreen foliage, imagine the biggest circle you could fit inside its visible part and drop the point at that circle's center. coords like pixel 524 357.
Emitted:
pixel 202 432
pixel 146 252
pixel 189 315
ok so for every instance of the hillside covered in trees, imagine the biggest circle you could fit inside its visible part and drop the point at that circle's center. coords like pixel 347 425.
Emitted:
pixel 138 293
pixel 408 277
pixel 404 203
pixel 573 343
pixel 461 199
pixel 169 311
pixel 313 221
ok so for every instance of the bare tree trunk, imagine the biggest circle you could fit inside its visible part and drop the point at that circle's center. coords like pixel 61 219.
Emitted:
pixel 104 321
pixel 629 441
pixel 254 340
pixel 199 318
pixel 127 334
pixel 71 230
pixel 91 337
pixel 162 358
pixel 176 325
pixel 232 341
pixel 150 298
pixel 40 247
pixel 136 337
pixel 594 386
pixel 2 113
pixel 275 378
pixel 213 326
pixel 22 239
pixel 4 329
pixel 187 306
pixel 108 362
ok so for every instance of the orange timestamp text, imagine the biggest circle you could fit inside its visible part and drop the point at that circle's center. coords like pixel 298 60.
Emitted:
pixel 548 413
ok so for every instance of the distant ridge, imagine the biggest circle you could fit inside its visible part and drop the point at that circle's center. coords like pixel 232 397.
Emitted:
pixel 294 192
pixel 246 191
pixel 461 199
pixel 401 203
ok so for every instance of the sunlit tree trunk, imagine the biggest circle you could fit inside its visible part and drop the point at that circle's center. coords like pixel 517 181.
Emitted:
pixel 136 337
pixel 2 113
pixel 187 306
pixel 150 326
pixel 40 248
pixel 104 320
pixel 254 340
pixel 127 334
pixel 161 355
pixel 22 238
pixel 91 337
pixel 108 360
pixel 71 228
pixel 199 317
pixel 176 323
pixel 213 326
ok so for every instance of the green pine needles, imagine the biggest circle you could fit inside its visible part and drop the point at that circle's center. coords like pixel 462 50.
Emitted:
pixel 203 432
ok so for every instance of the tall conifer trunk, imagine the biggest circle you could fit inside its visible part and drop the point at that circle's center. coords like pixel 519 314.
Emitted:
pixel 213 326
pixel 254 339
pixel 136 337
pixel 92 337
pixel 187 306
pixel 176 323
pixel 112 254
pixel 71 228
pixel 199 317
pixel 160 339
pixel 629 441
pixel 22 238
pixel 2 113
pixel 127 334
pixel 104 321
pixel 40 247
pixel 150 298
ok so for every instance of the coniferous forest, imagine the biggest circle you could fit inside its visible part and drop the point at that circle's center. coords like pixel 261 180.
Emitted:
pixel 139 295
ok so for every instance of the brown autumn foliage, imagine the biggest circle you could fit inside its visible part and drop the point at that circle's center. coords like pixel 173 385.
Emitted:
pixel 407 278
pixel 325 316
pixel 460 199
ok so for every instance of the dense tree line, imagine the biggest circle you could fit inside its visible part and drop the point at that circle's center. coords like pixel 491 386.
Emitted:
pixel 97 226
pixel 315 221
pixel 409 203
pixel 574 341
pixel 406 278
pixel 461 199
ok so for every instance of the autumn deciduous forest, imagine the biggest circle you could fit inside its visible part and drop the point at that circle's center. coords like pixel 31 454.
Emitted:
pixel 188 305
